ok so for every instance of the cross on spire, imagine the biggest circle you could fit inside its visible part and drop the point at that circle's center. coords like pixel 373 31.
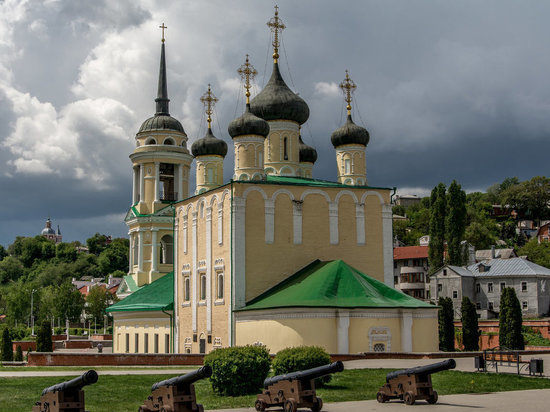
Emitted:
pixel 209 100
pixel 348 87
pixel 247 73
pixel 276 25
pixel 163 27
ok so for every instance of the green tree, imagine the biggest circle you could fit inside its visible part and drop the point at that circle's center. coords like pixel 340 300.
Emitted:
pixel 11 269
pixel 438 210
pixel 18 302
pixel 503 321
pixel 47 303
pixel 7 346
pixel 18 354
pixel 65 252
pixel 98 300
pixel 69 302
pixel 446 325
pixel 470 328
pixel 537 253
pixel 114 257
pixel 44 337
pixel 97 244
pixel 456 223
pixel 515 319
pixel 3 252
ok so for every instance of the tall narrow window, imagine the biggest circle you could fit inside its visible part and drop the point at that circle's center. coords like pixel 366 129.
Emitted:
pixel 210 175
pixel 186 288
pixel 135 245
pixel 285 142
pixel 203 286
pixel 146 343
pixel 260 160
pixel 127 343
pixel 220 286
pixel 347 166
pixel 166 343
pixel 166 249
pixel 156 343
pixel 136 349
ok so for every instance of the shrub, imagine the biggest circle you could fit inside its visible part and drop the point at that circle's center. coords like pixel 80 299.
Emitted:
pixel 19 354
pixel 239 370
pixel 7 347
pixel 44 338
pixel 301 358
pixel 20 333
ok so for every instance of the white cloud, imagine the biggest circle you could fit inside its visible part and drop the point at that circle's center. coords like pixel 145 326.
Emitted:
pixel 327 89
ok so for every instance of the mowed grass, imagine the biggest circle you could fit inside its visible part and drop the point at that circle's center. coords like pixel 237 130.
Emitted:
pixel 127 392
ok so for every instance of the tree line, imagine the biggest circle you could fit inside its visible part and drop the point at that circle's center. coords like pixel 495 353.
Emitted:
pixel 38 270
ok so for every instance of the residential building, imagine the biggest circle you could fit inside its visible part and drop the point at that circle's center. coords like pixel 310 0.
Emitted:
pixel 410 271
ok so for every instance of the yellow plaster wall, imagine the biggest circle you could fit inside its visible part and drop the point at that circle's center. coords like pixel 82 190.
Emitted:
pixel 359 332
pixel 425 335
pixel 261 271
pixel 283 333
pixel 246 157
pixel 139 323
pixel 220 307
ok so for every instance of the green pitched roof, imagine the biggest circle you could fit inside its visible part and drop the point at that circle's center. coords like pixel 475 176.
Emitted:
pixel 333 284
pixel 158 295
pixel 131 283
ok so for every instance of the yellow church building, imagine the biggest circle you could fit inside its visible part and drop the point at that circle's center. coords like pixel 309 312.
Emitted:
pixel 272 257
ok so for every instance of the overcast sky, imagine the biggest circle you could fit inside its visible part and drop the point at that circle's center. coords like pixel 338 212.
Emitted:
pixel 448 90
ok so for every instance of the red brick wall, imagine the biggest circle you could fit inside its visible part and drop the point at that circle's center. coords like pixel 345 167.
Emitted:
pixel 99 359
pixel 78 344
pixel 26 345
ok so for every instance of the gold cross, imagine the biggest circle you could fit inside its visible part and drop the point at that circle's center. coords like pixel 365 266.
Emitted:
pixel 348 87
pixel 247 73
pixel 209 100
pixel 163 27
pixel 276 25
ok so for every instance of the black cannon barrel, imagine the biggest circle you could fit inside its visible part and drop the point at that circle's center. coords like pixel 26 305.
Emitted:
pixel 77 383
pixel 307 374
pixel 423 370
pixel 201 373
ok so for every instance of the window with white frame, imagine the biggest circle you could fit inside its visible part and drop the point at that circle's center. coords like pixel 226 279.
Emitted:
pixel 219 285
pixel 524 305
pixel 186 288
pixel 524 286
pixel 347 166
pixel 439 287
pixel 502 286
pixel 455 294
pixel 478 288
pixel 203 286
pixel 490 287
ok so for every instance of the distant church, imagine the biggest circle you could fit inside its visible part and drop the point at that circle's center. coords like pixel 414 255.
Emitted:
pixel 273 256
pixel 49 233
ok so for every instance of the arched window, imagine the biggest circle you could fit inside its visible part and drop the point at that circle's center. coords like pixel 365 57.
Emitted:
pixel 220 286
pixel 209 175
pixel 168 141
pixel 260 160
pixel 347 166
pixel 186 288
pixel 285 143
pixel 151 141
pixel 135 247
pixel 203 287
pixel 166 250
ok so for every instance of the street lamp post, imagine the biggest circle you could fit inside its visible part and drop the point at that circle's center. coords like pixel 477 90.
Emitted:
pixel 32 316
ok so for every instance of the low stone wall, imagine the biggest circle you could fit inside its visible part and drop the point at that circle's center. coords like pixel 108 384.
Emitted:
pixel 78 344
pixel 26 345
pixel 111 359
pixel 102 337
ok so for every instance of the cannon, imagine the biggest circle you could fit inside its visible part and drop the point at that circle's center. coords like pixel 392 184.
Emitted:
pixel 66 396
pixel 176 394
pixel 295 390
pixel 413 384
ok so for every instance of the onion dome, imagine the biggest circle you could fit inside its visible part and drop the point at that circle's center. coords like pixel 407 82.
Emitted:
pixel 277 102
pixel 209 145
pixel 248 124
pixel 48 230
pixel 162 119
pixel 350 133
pixel 307 153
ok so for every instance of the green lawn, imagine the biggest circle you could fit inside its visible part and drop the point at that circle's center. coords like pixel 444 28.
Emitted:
pixel 126 393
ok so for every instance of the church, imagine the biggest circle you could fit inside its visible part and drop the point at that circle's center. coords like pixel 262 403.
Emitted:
pixel 272 257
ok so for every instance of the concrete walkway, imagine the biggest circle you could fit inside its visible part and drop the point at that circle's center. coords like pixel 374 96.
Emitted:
pixel 527 401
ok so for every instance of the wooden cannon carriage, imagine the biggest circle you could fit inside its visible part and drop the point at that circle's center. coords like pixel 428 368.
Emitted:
pixel 66 396
pixel 413 384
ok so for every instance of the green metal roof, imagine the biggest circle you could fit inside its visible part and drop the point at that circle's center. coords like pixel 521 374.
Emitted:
pixel 131 283
pixel 333 284
pixel 158 295
pixel 303 181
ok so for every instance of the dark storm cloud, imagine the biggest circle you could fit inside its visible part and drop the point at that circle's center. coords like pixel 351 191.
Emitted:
pixel 448 90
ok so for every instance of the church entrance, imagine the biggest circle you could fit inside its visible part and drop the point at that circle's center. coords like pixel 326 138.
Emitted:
pixel 202 345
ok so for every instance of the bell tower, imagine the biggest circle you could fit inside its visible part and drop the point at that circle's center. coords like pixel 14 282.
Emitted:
pixel 161 164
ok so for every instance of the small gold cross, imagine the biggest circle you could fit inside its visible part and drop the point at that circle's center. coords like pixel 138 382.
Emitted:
pixel 163 27
pixel 276 25
pixel 209 100
pixel 348 87
pixel 247 73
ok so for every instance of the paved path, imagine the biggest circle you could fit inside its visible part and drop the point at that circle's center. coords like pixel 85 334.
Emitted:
pixel 527 401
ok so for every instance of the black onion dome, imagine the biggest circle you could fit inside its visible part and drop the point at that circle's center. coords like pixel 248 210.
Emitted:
pixel 277 102
pixel 161 122
pixel 209 145
pixel 350 133
pixel 248 124
pixel 307 153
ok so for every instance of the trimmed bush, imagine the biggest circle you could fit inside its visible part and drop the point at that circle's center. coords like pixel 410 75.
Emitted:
pixel 239 370
pixel 19 354
pixel 7 348
pixel 44 338
pixel 301 358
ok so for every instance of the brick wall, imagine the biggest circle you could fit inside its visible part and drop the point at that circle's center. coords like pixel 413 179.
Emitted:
pixel 100 359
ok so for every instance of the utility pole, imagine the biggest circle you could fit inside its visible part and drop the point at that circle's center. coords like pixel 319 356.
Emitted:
pixel 32 316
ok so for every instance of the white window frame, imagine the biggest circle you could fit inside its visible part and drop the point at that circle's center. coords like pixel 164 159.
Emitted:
pixel 524 283
pixel 220 299
pixel 455 294
pixel 524 305
pixel 490 288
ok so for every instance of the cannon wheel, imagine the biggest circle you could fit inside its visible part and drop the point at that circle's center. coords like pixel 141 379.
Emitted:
pixel 409 398
pixel 433 399
pixel 317 405
pixel 380 397
pixel 260 405
pixel 290 405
